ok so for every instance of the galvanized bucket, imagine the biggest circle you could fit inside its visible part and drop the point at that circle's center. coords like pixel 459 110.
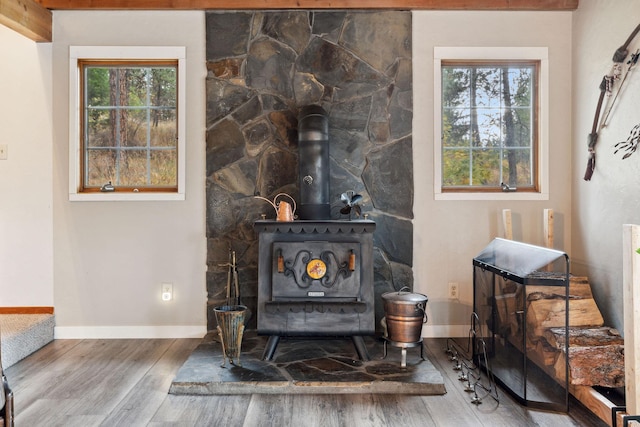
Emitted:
pixel 405 313
pixel 230 320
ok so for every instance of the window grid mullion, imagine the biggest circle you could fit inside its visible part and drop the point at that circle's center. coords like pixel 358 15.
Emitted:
pixel 149 124
pixel 502 149
pixel 118 124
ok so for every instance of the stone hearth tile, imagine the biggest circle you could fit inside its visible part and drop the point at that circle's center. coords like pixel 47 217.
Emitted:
pixel 306 366
pixel 325 372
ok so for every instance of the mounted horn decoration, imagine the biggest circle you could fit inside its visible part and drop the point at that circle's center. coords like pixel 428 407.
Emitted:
pixel 606 88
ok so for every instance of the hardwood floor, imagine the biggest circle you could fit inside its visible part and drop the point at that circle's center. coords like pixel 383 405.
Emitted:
pixel 125 382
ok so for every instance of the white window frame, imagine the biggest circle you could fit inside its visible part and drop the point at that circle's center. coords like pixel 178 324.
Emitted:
pixel 75 156
pixel 487 54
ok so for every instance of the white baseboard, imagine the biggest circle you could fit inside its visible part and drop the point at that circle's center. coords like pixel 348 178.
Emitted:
pixel 134 332
pixel 445 331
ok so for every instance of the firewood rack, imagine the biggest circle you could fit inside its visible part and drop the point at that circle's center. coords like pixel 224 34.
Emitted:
pixel 506 274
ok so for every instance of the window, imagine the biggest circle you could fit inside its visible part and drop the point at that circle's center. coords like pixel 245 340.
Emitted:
pixel 490 115
pixel 127 123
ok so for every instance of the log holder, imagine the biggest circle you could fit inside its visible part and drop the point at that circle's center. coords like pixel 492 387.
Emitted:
pixel 502 274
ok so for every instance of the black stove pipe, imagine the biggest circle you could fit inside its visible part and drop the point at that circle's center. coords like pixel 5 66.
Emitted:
pixel 313 146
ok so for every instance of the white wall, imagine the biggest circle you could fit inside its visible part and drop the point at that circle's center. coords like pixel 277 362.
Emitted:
pixel 448 234
pixel 111 257
pixel 26 225
pixel 612 198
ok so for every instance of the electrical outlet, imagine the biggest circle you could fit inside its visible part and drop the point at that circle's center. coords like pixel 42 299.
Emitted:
pixel 454 290
pixel 167 291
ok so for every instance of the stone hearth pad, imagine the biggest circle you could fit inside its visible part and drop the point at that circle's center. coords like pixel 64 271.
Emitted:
pixel 306 366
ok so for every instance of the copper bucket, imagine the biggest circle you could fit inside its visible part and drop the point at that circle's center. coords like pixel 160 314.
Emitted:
pixel 405 313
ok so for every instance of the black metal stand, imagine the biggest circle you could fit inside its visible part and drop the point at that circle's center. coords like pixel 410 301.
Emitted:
pixel 404 346
pixel 270 348
pixel 361 348
pixel 625 418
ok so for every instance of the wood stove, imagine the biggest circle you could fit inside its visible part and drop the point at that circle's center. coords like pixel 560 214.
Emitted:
pixel 315 279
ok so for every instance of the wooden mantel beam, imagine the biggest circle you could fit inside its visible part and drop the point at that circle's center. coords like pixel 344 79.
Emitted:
pixel 28 18
pixel 33 19
pixel 550 5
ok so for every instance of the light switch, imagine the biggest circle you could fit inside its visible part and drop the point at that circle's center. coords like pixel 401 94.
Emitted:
pixel 4 148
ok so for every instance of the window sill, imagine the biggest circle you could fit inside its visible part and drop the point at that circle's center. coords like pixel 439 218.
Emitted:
pixel 125 197
pixel 492 196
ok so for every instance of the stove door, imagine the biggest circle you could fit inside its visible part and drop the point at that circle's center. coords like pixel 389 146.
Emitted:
pixel 310 270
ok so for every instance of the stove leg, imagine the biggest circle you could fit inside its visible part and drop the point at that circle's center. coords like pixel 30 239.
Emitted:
pixel 270 348
pixel 361 348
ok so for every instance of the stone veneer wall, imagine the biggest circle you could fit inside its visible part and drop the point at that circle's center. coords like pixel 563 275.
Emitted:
pixel 262 68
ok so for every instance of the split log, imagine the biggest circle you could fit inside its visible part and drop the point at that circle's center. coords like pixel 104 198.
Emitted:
pixel 579 287
pixel 593 366
pixel 506 309
pixel 543 314
pixel 546 353
pixel 583 337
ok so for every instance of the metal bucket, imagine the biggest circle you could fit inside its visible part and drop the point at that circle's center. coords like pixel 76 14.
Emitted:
pixel 405 313
pixel 230 320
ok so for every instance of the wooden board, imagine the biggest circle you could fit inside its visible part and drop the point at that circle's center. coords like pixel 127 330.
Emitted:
pixel 548 228
pixel 631 298
pixel 594 401
pixel 314 4
pixel 28 18
pixel 26 310
pixel 507 224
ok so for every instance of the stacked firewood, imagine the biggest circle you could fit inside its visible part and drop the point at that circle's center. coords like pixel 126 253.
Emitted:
pixel 596 352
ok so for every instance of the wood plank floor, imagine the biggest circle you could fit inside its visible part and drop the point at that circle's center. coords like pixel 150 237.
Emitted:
pixel 125 382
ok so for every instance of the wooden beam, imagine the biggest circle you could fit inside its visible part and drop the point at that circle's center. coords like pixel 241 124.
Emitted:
pixel 28 18
pixel 26 310
pixel 507 224
pixel 548 228
pixel 593 401
pixel 314 4
pixel 631 298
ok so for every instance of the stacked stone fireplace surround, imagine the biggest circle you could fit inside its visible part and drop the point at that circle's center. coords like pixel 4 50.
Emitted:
pixel 263 67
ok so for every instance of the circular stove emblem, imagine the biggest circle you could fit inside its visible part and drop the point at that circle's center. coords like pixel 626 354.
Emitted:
pixel 316 269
